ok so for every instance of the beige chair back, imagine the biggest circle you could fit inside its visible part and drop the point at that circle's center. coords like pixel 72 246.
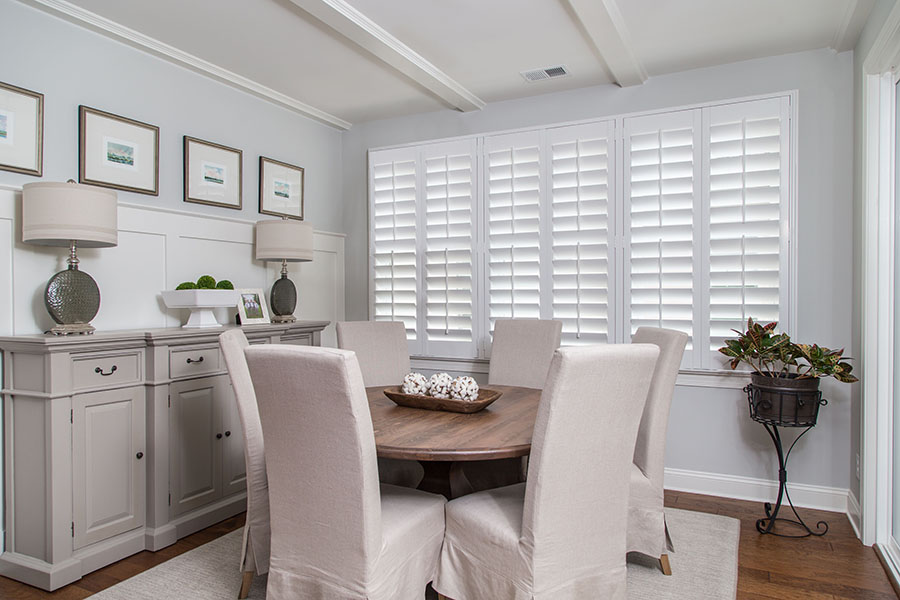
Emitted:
pixel 650 450
pixel 320 455
pixel 581 456
pixel 380 347
pixel 521 351
pixel 255 551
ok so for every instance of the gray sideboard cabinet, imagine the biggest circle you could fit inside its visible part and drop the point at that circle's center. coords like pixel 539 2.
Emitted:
pixel 119 442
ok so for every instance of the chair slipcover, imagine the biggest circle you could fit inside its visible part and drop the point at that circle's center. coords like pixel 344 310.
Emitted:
pixel 255 549
pixel 334 533
pixel 521 351
pixel 560 535
pixel 380 348
pixel 647 531
pixel 383 357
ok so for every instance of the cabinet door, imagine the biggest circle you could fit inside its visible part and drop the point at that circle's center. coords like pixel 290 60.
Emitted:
pixel 234 469
pixel 109 473
pixel 196 436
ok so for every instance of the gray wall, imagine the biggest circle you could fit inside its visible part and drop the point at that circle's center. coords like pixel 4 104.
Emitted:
pixel 709 430
pixel 71 66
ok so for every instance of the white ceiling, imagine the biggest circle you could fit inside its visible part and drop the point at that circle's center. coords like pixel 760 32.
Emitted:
pixel 346 61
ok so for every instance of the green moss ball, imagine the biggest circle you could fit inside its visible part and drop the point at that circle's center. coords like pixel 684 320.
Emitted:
pixel 206 282
pixel 187 285
pixel 224 285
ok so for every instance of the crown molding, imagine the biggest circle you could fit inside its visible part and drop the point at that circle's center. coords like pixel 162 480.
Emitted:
pixel 95 22
pixel 370 36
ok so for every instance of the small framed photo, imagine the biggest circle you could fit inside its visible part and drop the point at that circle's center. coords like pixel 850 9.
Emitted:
pixel 212 174
pixel 117 153
pixel 21 130
pixel 280 189
pixel 252 307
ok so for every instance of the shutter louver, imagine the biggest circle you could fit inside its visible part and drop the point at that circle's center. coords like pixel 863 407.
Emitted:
pixel 513 185
pixel 449 174
pixel 580 228
pixel 662 206
pixel 747 177
pixel 393 189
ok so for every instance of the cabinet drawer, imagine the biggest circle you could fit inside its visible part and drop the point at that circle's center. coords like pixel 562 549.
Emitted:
pixel 108 369
pixel 303 339
pixel 196 360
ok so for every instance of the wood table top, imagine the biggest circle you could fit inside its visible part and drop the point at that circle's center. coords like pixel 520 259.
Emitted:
pixel 502 430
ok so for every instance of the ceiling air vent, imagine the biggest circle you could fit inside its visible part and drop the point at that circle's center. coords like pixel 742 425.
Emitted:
pixel 546 73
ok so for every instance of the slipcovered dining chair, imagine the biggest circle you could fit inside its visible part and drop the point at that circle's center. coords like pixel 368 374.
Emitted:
pixel 647 531
pixel 255 546
pixel 521 352
pixel 383 356
pixel 543 539
pixel 336 533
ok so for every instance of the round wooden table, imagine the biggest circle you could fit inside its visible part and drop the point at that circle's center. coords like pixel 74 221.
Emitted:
pixel 440 440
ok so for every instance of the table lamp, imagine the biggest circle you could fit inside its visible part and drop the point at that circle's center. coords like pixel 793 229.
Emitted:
pixel 70 215
pixel 287 240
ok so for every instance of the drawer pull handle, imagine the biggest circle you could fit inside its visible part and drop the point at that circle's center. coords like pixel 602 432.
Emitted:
pixel 191 360
pixel 227 434
pixel 100 370
pixel 218 436
pixel 139 455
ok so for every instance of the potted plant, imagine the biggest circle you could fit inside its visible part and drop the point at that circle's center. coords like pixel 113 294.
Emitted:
pixel 784 385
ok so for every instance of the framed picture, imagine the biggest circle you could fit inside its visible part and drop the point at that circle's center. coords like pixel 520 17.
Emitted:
pixel 252 307
pixel 212 174
pixel 280 189
pixel 118 153
pixel 21 130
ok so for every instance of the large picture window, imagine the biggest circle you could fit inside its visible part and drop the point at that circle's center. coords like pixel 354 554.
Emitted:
pixel 676 219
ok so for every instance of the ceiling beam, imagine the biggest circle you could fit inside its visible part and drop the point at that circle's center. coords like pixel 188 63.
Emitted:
pixel 603 22
pixel 370 36
pixel 852 21
pixel 136 39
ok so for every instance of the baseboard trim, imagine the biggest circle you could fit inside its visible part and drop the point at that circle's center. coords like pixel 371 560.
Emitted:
pixel 758 490
pixel 854 513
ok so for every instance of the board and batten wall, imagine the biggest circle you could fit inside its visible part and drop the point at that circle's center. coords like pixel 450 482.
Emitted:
pixel 162 239
pixel 713 446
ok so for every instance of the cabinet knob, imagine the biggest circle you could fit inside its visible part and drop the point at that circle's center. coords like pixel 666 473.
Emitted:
pixel 198 360
pixel 227 433
pixel 100 370
pixel 139 455
pixel 218 436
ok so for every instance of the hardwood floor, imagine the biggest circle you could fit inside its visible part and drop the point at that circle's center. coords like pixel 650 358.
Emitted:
pixel 834 567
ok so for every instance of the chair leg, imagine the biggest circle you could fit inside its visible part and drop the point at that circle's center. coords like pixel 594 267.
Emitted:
pixel 245 585
pixel 664 564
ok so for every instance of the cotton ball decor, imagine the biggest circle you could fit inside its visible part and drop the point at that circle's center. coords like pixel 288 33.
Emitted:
pixel 464 388
pixel 439 385
pixel 414 383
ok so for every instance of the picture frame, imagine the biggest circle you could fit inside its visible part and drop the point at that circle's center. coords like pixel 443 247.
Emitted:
pixel 21 130
pixel 252 307
pixel 213 174
pixel 117 152
pixel 281 188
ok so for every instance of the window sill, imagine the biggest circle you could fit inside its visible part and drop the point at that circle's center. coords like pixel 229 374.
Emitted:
pixel 735 380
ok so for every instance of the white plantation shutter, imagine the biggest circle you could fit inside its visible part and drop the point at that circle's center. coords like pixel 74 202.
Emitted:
pixel 581 193
pixel 663 225
pixel 449 235
pixel 513 189
pixel 748 145
pixel 392 188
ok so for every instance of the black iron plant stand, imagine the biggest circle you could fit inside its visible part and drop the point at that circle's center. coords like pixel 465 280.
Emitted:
pixel 784 408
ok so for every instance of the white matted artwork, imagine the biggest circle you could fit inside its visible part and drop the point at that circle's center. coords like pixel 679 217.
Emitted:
pixel 280 188
pixel 118 153
pixel 21 130
pixel 212 174
pixel 252 306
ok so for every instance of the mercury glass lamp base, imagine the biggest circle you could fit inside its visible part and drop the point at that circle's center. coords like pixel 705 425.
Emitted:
pixel 72 328
pixel 284 319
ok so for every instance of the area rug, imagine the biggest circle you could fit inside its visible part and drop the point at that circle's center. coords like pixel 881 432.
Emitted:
pixel 704 567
